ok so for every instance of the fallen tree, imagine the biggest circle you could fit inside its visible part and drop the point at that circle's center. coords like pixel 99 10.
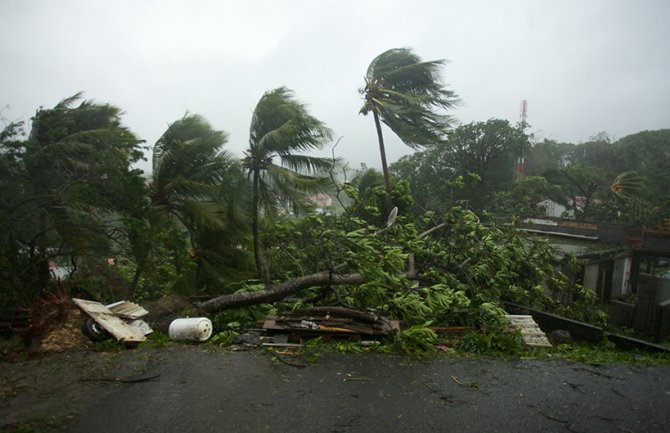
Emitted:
pixel 276 292
pixel 465 271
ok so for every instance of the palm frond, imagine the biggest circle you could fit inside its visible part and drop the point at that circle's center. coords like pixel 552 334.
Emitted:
pixel 189 167
pixel 280 124
pixel 305 163
pixel 69 101
pixel 409 96
pixel 206 214
pixel 628 185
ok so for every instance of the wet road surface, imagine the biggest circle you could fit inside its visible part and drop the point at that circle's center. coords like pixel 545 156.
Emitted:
pixel 193 390
pixel 247 392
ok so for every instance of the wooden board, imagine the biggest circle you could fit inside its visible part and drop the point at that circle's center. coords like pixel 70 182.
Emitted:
pixel 127 310
pixel 108 320
pixel 530 331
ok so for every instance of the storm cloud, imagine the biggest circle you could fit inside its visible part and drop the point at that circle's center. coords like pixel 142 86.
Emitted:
pixel 584 67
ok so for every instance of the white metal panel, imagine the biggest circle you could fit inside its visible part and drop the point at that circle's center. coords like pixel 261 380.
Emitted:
pixel 111 322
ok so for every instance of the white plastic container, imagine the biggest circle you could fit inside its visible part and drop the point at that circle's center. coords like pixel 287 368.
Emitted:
pixel 191 329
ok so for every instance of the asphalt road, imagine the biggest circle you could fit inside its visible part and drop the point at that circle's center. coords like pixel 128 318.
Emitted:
pixel 185 389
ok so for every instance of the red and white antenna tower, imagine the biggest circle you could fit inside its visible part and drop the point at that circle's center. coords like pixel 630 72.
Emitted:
pixel 520 162
pixel 524 111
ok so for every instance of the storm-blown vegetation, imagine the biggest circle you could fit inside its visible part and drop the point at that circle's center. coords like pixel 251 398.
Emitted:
pixel 242 231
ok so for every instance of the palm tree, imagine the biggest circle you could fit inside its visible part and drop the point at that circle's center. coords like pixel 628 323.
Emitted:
pixel 188 168
pixel 405 93
pixel 202 187
pixel 280 127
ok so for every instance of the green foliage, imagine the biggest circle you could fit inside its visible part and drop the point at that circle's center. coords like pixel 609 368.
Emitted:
pixel 70 195
pixel 65 190
pixel 158 340
pixel 345 346
pixel 635 168
pixel 488 342
pixel 417 340
pixel 595 314
pixel 599 354
pixel 474 163
pixel 578 176
pixel 522 198
pixel 224 338
pixel 188 166
pixel 110 345
pixel 467 269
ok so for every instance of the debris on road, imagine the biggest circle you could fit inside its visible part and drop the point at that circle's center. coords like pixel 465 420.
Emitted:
pixel 559 336
pixel 120 319
pixel 531 333
pixel 329 322
pixel 191 329
pixel 127 310
pixel 122 379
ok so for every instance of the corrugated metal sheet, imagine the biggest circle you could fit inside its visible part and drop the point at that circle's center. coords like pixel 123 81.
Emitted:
pixel 110 321
pixel 127 310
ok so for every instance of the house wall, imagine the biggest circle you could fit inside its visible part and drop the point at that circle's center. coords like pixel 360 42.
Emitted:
pixel 551 208
pixel 591 276
pixel 651 292
pixel 620 314
pixel 621 277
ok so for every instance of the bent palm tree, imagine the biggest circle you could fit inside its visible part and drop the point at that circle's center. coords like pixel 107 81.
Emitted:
pixel 201 186
pixel 405 93
pixel 188 167
pixel 280 127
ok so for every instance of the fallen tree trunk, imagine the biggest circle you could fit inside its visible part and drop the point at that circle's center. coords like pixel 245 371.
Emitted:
pixel 277 292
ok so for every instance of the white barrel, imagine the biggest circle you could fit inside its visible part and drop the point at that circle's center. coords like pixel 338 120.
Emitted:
pixel 191 329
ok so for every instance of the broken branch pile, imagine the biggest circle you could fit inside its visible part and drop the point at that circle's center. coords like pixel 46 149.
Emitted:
pixel 331 321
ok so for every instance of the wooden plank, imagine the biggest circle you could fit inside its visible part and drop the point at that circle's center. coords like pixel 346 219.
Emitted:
pixel 530 331
pixel 110 322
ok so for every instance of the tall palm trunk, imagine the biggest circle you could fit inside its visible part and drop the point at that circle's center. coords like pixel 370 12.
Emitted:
pixel 261 269
pixel 385 169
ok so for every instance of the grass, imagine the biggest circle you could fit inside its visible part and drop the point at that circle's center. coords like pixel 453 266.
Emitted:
pixel 598 354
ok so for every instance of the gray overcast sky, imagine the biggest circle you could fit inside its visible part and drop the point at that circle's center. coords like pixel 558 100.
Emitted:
pixel 583 66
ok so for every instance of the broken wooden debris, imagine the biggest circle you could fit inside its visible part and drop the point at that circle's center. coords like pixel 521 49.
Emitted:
pixel 451 331
pixel 112 323
pixel 330 321
pixel 531 333
pixel 127 310
pixel 122 379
